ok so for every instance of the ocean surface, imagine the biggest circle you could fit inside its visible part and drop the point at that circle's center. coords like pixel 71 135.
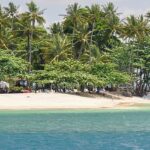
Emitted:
pixel 75 130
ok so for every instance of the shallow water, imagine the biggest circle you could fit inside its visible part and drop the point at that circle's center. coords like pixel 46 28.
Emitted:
pixel 75 130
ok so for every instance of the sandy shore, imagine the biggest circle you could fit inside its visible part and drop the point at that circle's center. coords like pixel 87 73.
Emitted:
pixel 66 101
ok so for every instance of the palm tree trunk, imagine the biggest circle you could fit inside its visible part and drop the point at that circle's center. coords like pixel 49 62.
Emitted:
pixel 73 34
pixel 91 40
pixel 30 51
pixel 30 46
pixel 12 23
pixel 0 30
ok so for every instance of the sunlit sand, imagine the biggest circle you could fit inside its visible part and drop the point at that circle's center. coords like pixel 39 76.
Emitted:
pixel 65 101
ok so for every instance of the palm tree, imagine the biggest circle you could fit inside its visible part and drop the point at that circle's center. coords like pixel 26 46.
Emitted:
pixel 93 15
pixel 33 16
pixel 135 28
pixel 111 16
pixel 82 40
pixel 24 30
pixel 12 11
pixel 60 48
pixel 3 25
pixel 40 43
pixel 148 15
pixel 56 28
pixel 73 14
pixel 72 19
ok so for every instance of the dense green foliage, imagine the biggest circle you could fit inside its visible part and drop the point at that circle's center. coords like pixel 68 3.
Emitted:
pixel 11 66
pixel 74 74
pixel 92 47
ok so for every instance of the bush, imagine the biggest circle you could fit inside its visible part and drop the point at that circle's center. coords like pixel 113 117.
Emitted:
pixel 15 89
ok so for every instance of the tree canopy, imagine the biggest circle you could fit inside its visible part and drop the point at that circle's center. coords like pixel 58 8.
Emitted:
pixel 91 46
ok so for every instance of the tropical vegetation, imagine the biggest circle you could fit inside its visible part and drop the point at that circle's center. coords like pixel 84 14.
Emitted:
pixel 91 48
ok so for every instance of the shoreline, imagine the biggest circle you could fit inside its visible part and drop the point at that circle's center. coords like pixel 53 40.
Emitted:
pixel 59 101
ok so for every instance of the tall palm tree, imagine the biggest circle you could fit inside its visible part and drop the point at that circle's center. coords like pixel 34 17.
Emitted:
pixel 33 16
pixel 82 40
pixel 112 18
pixel 24 30
pixel 73 14
pixel 40 36
pixel 93 15
pixel 3 25
pixel 72 20
pixel 12 12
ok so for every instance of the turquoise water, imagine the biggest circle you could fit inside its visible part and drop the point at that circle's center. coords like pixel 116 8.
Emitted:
pixel 75 130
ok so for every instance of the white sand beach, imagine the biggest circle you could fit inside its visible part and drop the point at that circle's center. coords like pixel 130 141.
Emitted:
pixel 65 101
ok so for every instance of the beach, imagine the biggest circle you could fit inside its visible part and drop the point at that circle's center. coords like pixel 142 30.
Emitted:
pixel 29 101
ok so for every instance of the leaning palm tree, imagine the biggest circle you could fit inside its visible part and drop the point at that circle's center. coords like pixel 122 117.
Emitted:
pixel 135 28
pixel 33 16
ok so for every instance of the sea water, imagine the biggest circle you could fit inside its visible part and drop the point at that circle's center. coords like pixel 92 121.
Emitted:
pixel 75 130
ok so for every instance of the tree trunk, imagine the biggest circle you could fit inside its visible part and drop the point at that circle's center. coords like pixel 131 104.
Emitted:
pixel 91 40
pixel 30 46
pixel 30 51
